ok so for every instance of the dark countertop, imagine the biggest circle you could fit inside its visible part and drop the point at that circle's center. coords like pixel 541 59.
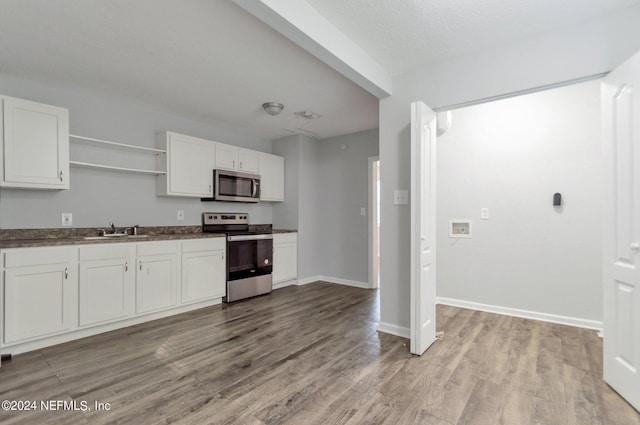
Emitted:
pixel 22 238
pixel 285 231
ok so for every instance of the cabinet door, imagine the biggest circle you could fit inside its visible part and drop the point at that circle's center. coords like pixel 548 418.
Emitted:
pixel 39 301
pixel 105 290
pixel 203 275
pixel 248 161
pixel 226 157
pixel 156 282
pixel 35 145
pixel 190 163
pixel 271 169
pixel 285 257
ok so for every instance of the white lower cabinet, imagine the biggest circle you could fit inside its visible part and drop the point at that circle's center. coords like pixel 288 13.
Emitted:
pixel 106 283
pixel 56 294
pixel 40 293
pixel 203 270
pixel 156 276
pixel 285 257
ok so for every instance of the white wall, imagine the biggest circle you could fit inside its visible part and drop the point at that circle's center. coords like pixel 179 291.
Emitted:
pixel 97 197
pixel 511 156
pixel 591 48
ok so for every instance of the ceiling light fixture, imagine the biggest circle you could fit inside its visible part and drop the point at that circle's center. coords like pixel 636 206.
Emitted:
pixel 273 108
pixel 307 114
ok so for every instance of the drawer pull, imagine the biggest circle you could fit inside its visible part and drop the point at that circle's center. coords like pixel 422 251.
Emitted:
pixel 126 266
pixel 66 273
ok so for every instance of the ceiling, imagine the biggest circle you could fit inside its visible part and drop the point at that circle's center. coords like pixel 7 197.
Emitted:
pixel 405 35
pixel 212 61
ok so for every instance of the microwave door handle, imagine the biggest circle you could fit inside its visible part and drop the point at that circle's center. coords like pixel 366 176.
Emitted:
pixel 254 185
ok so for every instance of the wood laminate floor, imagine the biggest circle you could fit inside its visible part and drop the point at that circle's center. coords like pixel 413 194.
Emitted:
pixel 311 355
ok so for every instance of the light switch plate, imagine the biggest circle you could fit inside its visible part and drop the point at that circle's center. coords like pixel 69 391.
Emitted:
pixel 180 215
pixel 363 211
pixel 400 197
pixel 66 219
pixel 484 213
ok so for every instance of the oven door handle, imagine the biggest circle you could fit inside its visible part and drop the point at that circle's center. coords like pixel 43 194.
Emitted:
pixel 237 238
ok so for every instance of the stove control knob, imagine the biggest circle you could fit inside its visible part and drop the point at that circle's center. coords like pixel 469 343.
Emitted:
pixel 266 261
pixel 210 217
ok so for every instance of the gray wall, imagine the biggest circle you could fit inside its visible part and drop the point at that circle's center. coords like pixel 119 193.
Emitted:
pixel 300 209
pixel 97 197
pixel 590 48
pixel 324 191
pixel 511 156
pixel 344 191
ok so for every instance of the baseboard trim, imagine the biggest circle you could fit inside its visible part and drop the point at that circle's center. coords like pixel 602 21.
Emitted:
pixel 284 284
pixel 524 314
pixel 396 330
pixel 307 280
pixel 337 280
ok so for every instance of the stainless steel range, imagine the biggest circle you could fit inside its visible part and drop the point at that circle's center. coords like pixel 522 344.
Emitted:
pixel 249 254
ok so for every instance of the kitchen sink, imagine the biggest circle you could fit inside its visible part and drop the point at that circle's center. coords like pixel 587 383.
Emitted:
pixel 115 236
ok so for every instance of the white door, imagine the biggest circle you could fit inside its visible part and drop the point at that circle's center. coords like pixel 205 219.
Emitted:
pixel 621 268
pixel 423 220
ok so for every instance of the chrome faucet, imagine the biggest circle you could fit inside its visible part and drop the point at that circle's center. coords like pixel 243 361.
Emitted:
pixel 113 227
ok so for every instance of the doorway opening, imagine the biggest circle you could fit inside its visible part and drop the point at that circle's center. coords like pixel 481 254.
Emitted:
pixel 374 222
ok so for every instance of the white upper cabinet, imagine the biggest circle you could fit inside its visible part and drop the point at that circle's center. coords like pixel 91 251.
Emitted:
pixel 35 145
pixel 271 170
pixel 248 161
pixel 236 159
pixel 189 164
pixel 226 157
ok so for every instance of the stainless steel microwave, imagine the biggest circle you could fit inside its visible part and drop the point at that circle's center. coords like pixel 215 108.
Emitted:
pixel 232 186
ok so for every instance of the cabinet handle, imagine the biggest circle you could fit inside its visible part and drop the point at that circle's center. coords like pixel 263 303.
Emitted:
pixel 60 175
pixel 234 163
pixel 223 255
pixel 140 265
pixel 241 164
pixel 126 266
pixel 209 188
pixel 66 273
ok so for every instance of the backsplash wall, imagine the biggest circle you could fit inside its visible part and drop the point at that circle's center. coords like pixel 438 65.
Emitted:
pixel 97 197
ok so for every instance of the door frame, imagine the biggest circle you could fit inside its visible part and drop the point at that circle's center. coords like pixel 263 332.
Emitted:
pixel 374 237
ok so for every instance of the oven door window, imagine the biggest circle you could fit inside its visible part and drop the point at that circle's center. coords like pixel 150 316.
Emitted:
pixel 249 258
pixel 235 186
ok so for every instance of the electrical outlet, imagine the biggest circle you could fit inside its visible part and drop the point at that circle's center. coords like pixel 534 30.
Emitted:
pixel 400 197
pixel 180 215
pixel 363 211
pixel 66 219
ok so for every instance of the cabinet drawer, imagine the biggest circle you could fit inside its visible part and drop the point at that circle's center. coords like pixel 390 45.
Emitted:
pixel 279 238
pixel 203 245
pixel 103 252
pixel 156 248
pixel 39 256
